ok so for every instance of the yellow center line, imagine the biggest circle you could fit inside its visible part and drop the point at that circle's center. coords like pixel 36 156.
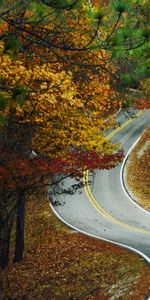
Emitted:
pixel 123 125
pixel 93 200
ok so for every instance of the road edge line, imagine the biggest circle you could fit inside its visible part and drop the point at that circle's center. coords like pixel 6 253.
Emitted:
pixel 145 257
pixel 122 180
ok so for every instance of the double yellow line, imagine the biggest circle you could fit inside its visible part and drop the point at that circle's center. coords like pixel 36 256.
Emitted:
pixel 92 199
pixel 124 125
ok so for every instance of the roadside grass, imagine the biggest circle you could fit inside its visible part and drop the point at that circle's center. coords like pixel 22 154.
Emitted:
pixel 138 171
pixel 61 264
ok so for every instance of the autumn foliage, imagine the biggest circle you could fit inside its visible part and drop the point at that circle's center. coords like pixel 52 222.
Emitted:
pixel 60 263
pixel 144 102
pixel 65 116
pixel 52 104
pixel 138 167
pixel 58 92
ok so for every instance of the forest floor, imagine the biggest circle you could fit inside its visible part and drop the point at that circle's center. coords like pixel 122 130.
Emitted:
pixel 138 171
pixel 61 264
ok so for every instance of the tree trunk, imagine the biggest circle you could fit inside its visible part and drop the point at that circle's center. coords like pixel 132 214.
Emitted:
pixel 4 245
pixel 4 251
pixel 15 143
pixel 1 285
pixel 19 245
pixel 5 231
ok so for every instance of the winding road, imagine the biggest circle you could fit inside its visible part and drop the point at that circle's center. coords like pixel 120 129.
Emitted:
pixel 103 210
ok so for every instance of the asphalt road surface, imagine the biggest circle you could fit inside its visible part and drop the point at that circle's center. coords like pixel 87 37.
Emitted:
pixel 102 209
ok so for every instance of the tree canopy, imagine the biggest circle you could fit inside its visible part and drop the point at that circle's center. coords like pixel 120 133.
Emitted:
pixel 65 68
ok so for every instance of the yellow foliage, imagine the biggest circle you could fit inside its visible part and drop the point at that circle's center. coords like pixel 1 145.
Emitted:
pixel 65 114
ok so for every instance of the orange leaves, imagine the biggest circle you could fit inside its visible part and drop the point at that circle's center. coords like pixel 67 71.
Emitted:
pixel 3 27
pixel 144 101
pixel 139 167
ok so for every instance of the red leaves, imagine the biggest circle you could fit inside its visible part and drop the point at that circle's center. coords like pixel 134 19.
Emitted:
pixel 26 172
pixel 79 160
pixel 3 173
pixel 92 160
pixel 142 103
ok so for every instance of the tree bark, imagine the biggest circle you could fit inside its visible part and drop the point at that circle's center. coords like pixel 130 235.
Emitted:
pixel 5 231
pixel 4 245
pixel 1 285
pixel 19 244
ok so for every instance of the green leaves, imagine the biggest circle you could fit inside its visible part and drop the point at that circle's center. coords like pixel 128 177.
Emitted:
pixel 146 33
pixel 95 14
pixel 19 94
pixel 3 106
pixel 129 80
pixel 38 9
pixel 120 6
pixel 61 4
pixel 3 101
pixel 2 119
pixel 12 44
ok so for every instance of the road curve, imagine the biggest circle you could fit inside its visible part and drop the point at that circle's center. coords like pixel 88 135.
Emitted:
pixel 103 210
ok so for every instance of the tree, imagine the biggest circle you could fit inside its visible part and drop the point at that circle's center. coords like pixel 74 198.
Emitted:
pixel 130 50
pixel 58 85
pixel 56 31
pixel 47 111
